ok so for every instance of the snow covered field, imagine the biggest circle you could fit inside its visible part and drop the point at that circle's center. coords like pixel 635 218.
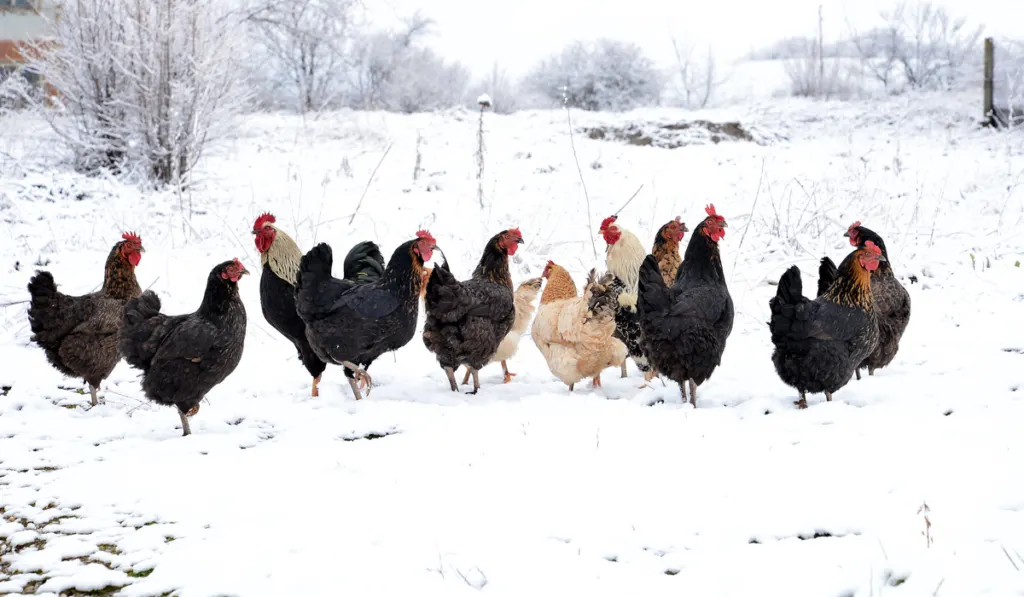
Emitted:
pixel 526 489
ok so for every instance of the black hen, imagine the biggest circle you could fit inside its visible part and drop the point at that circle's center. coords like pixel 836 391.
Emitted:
pixel 352 321
pixel 685 326
pixel 182 357
pixel 466 321
pixel 818 343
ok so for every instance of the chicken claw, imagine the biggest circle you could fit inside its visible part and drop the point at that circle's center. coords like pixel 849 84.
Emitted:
pixel 508 375
pixel 802 402
pixel 192 413
pixel 358 375
pixel 596 383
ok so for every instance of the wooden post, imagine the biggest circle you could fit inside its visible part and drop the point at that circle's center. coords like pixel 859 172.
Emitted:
pixel 989 112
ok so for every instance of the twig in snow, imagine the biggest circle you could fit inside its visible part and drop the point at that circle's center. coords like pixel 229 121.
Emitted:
pixel 368 183
pixel 153 282
pixel 12 303
pixel 1012 563
pixel 572 144
pixel 630 200
pixel 927 532
pixel 753 206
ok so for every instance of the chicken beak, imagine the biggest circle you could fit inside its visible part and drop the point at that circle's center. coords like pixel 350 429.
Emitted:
pixel 846 234
pixel 140 250
pixel 723 225
pixel 882 258
pixel 519 241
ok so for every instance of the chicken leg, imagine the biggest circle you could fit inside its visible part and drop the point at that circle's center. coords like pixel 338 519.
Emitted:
pixel 192 412
pixel 682 388
pixel 185 427
pixel 476 380
pixel 625 372
pixel 571 386
pixel 693 393
pixel 828 396
pixel 802 402
pixel 360 375
pixel 871 371
pixel 316 389
pixel 92 395
pixel 465 380
pixel 597 381
pixel 648 376
pixel 508 376
pixel 355 387
pixel 451 377
pixel 857 371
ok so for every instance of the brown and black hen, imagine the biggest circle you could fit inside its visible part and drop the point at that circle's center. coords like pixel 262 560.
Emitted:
pixel 182 357
pixel 79 333
pixel 466 321
pixel 350 322
pixel 820 342
pixel 891 299
pixel 686 325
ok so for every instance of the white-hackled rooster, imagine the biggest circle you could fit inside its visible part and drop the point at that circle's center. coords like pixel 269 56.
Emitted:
pixel 624 255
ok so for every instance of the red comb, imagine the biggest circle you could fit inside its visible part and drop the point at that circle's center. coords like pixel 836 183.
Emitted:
pixel 550 263
pixel 425 235
pixel 267 218
pixel 872 247
pixel 131 236
pixel 607 222
pixel 710 209
pixel 515 232
pixel 678 220
pixel 239 263
pixel 854 225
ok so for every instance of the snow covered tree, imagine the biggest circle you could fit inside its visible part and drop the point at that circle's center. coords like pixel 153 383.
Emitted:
pixel 603 75
pixel 391 71
pixel 923 42
pixel 306 44
pixel 143 85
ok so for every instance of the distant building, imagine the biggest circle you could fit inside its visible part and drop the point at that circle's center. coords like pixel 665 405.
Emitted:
pixel 22 22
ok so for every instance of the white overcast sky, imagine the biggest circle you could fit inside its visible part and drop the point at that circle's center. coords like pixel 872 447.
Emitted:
pixel 517 33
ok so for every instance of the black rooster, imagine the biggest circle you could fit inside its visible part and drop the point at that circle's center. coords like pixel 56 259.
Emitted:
pixel 182 357
pixel 351 322
pixel 820 342
pixel 280 256
pixel 466 321
pixel 891 299
pixel 685 326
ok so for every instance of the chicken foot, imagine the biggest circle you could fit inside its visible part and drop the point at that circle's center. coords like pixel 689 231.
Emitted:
pixel 802 402
pixel 360 375
pixel 451 377
pixel 648 376
pixel 508 375
pixel 316 388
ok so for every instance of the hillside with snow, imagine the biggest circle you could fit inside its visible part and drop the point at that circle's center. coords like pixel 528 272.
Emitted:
pixel 526 488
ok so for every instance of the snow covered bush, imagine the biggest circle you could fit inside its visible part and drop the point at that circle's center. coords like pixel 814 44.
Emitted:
pixel 143 86
pixel 604 75
pixel 305 48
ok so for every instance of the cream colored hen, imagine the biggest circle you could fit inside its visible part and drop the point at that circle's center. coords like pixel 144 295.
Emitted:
pixel 574 333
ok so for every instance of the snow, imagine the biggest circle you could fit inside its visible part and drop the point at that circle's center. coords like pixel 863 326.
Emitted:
pixel 484 100
pixel 526 488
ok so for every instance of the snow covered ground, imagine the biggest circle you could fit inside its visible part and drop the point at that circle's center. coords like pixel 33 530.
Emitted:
pixel 526 489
